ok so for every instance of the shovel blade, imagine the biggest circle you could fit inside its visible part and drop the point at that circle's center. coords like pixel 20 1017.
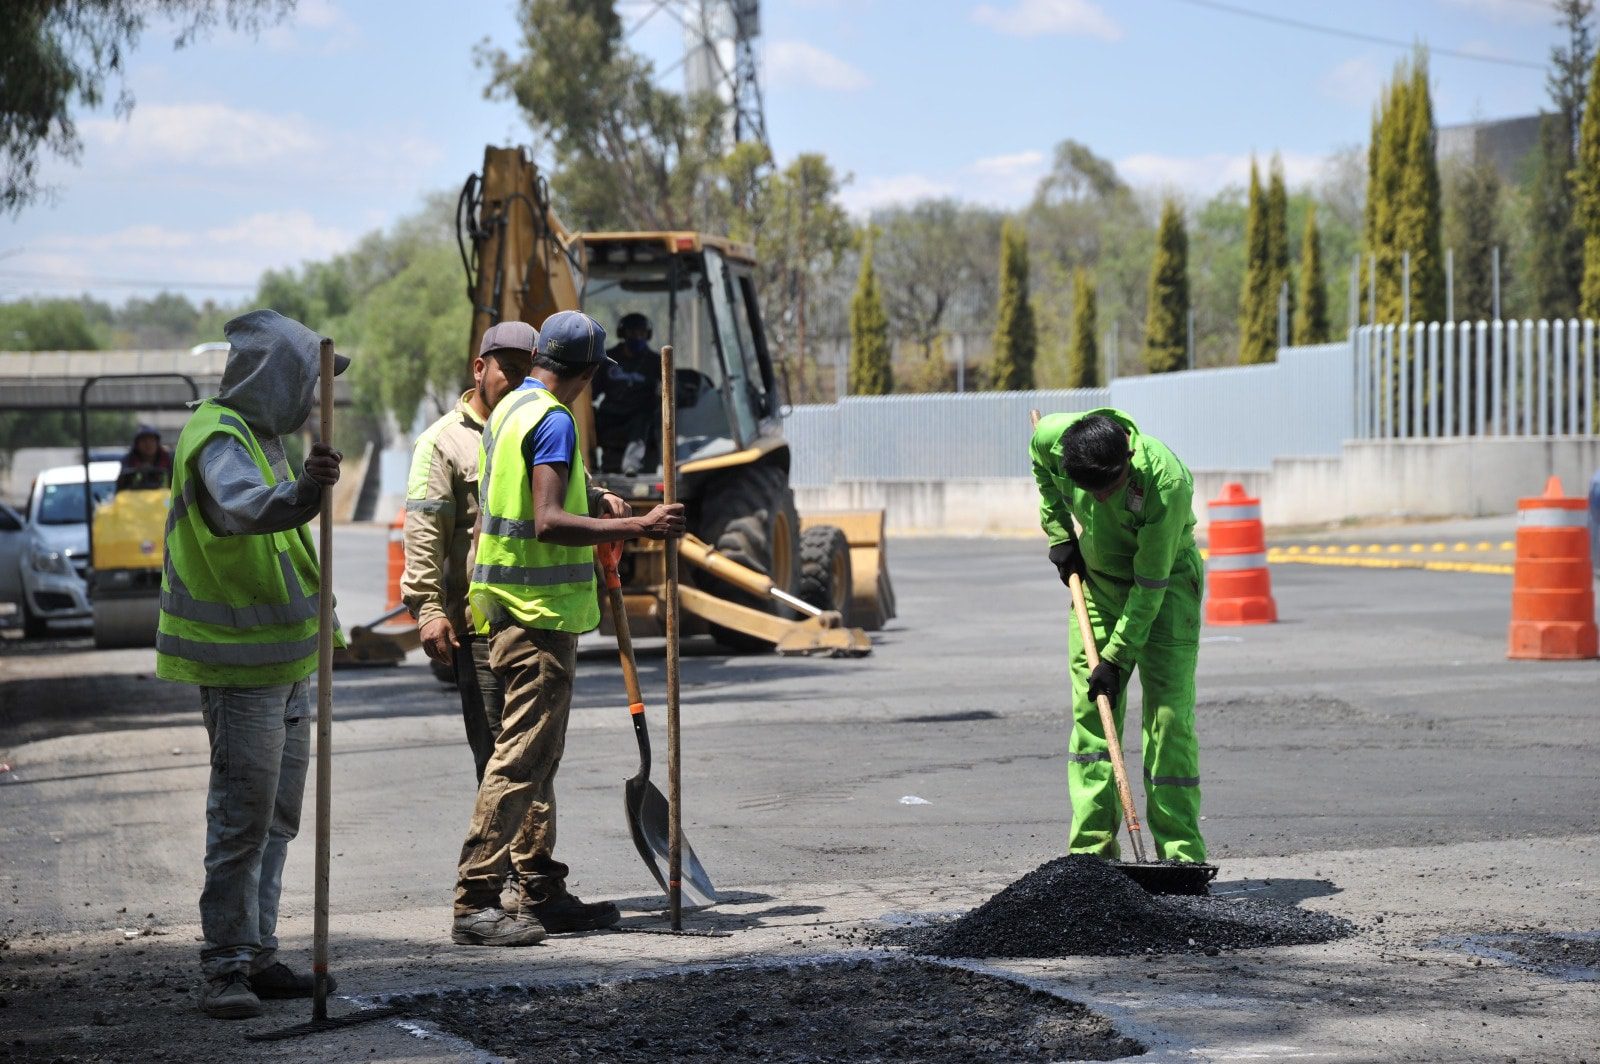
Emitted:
pixel 1169 877
pixel 648 822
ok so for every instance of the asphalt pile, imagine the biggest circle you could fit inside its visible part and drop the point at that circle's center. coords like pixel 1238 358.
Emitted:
pixel 1081 906
pixel 863 1011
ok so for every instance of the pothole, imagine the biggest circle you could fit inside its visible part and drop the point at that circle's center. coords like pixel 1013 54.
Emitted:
pixel 863 1010
pixel 1573 956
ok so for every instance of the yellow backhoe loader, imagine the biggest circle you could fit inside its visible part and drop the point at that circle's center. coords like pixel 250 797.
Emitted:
pixel 763 578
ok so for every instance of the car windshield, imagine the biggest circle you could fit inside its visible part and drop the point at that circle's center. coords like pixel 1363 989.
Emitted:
pixel 62 504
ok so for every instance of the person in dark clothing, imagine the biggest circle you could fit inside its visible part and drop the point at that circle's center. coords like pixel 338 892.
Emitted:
pixel 147 464
pixel 626 395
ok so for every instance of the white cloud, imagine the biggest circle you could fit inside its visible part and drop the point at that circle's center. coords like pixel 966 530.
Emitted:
pixel 315 26
pixel 1358 82
pixel 1204 175
pixel 1028 18
pixel 205 134
pixel 797 63
pixel 861 198
pixel 230 253
pixel 1006 180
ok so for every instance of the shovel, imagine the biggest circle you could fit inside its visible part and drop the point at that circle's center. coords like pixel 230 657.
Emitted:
pixel 646 806
pixel 1176 877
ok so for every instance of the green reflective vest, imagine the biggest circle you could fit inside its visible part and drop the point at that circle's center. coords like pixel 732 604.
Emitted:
pixel 236 611
pixel 516 579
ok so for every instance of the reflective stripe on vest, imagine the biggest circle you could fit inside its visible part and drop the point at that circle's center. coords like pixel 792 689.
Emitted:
pixel 176 600
pixel 531 576
pixel 235 654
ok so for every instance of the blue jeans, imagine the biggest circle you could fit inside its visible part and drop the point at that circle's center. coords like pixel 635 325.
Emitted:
pixel 260 746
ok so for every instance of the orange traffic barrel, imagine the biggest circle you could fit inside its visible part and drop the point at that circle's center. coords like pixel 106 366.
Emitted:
pixel 397 558
pixel 1240 587
pixel 1552 585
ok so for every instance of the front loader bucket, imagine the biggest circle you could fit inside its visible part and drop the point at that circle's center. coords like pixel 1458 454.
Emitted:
pixel 372 645
pixel 814 635
pixel 871 593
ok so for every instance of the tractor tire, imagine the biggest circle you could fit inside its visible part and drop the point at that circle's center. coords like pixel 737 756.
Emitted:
pixel 825 575
pixel 748 516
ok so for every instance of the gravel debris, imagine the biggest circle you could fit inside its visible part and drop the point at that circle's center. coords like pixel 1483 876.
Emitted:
pixel 1080 905
pixel 857 1011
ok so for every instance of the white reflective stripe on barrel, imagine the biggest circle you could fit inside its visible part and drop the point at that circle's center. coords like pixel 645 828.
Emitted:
pixel 1236 513
pixel 1223 563
pixel 1551 517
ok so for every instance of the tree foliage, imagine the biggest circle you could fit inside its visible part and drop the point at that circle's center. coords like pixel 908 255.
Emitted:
pixel 1586 191
pixel 1311 308
pixel 1473 229
pixel 1278 237
pixel 1258 299
pixel 1167 327
pixel 936 261
pixel 59 55
pixel 1083 354
pixel 1016 340
pixel 1403 198
pixel 871 372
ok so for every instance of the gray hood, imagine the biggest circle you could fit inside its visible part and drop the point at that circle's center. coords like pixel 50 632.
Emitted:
pixel 272 370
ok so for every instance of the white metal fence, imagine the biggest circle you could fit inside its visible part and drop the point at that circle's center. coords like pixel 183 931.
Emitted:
pixel 1503 378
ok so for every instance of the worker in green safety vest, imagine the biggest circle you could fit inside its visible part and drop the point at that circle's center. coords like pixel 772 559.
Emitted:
pixel 532 593
pixel 239 619
pixel 1117 506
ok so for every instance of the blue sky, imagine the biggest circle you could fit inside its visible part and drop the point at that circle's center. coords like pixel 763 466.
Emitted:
pixel 247 153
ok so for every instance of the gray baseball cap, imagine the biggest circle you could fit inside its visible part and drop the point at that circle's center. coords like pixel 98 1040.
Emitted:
pixel 509 336
pixel 574 338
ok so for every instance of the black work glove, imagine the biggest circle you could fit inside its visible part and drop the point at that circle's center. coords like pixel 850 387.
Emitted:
pixel 1105 679
pixel 1068 559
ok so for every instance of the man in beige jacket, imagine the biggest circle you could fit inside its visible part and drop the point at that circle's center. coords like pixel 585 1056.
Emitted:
pixel 441 510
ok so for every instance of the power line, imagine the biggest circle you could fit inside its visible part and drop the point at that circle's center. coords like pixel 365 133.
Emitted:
pixel 1356 35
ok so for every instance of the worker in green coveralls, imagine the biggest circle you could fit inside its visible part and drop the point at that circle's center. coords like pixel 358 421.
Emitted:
pixel 1117 506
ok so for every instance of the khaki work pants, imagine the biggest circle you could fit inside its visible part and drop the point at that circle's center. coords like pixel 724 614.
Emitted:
pixel 514 818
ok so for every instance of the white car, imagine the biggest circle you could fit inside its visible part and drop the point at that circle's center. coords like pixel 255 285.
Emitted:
pixel 56 561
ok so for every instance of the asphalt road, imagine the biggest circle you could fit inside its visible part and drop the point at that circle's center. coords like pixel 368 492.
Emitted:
pixel 1379 716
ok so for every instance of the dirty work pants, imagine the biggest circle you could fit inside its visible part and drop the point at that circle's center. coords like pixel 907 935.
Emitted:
pixel 260 745
pixel 482 701
pixel 513 826
pixel 1171 753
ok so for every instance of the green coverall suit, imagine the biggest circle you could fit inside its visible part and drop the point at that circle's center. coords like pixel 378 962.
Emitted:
pixel 1143 593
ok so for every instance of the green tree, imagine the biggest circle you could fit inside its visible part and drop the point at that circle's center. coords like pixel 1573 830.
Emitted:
pixel 1083 354
pixel 1311 308
pixel 1552 259
pixel 1472 228
pixel 1586 190
pixel 1167 325
pixel 59 55
pixel 412 330
pixel 936 261
pixel 1258 307
pixel 48 325
pixel 1016 341
pixel 870 370
pixel 1403 198
pixel 1278 238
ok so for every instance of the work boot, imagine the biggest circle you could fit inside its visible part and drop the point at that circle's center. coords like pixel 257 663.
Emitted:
pixel 229 997
pixel 279 981
pixel 566 913
pixel 511 894
pixel 496 927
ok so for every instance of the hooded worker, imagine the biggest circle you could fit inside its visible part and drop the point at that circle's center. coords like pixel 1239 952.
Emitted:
pixel 239 619
pixel 1118 508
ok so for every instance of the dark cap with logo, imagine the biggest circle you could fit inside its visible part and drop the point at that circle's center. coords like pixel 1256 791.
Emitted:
pixel 573 338
pixel 509 336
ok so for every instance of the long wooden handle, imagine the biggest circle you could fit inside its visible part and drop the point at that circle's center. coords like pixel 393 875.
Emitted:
pixel 1108 722
pixel 669 494
pixel 319 926
pixel 605 563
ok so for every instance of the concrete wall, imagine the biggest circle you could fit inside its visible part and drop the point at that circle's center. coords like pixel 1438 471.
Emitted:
pixel 1471 476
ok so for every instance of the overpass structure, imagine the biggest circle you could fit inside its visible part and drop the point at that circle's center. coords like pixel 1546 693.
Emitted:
pixel 54 380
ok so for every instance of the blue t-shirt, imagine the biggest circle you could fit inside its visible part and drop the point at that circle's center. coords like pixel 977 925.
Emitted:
pixel 553 440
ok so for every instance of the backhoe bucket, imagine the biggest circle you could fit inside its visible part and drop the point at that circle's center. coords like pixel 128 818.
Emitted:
pixel 373 646
pixel 871 593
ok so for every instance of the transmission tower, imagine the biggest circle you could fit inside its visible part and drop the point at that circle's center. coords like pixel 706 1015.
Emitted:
pixel 719 42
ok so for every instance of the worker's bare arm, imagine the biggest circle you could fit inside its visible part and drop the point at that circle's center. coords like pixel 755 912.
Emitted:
pixel 553 524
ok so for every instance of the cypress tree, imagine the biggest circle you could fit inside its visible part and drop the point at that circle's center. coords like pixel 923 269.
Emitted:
pixel 1278 239
pixel 1385 171
pixel 1311 308
pixel 870 369
pixel 1257 301
pixel 1166 323
pixel 1418 224
pixel 1083 353
pixel 1586 190
pixel 1016 343
pixel 1473 227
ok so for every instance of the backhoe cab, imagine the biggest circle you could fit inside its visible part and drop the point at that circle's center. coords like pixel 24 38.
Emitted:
pixel 755 565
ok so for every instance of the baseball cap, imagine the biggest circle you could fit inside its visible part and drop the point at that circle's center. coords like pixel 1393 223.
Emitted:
pixel 574 338
pixel 508 336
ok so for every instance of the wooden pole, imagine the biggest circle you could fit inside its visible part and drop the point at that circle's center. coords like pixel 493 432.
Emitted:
pixel 669 495
pixel 319 927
